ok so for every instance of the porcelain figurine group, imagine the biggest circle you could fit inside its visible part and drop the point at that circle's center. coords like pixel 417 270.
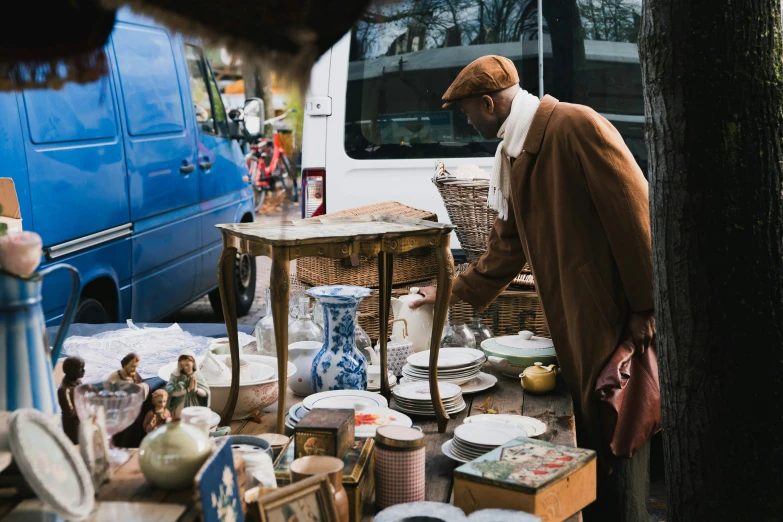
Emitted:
pixel 186 387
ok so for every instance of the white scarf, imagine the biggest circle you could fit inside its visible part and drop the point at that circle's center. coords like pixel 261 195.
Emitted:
pixel 513 131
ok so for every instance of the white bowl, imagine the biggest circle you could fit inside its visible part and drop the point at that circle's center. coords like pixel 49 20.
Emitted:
pixel 252 397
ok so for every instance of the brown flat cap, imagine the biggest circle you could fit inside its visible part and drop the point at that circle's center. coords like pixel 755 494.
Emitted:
pixel 486 74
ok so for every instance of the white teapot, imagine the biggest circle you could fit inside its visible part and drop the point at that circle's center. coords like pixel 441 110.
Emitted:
pixel 418 320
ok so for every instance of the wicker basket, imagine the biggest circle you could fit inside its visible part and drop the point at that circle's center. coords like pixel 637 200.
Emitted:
pixel 410 267
pixel 466 204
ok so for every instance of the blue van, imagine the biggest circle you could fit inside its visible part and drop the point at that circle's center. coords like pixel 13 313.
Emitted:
pixel 125 178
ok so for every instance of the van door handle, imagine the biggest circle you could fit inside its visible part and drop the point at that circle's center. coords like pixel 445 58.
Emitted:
pixel 204 165
pixel 187 169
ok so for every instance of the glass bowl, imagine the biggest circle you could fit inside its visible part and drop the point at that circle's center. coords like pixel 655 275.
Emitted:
pixel 121 402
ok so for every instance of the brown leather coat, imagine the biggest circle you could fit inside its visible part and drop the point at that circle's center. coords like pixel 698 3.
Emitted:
pixel 581 218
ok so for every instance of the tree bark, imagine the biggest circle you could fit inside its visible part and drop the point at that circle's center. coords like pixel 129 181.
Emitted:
pixel 713 92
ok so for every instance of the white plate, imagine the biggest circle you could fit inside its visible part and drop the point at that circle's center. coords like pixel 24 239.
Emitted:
pixel 431 413
pixel 483 381
pixel 371 419
pixel 369 399
pixel 487 434
pixel 533 427
pixel 297 411
pixel 447 450
pixel 450 358
pixel 457 371
pixel 420 391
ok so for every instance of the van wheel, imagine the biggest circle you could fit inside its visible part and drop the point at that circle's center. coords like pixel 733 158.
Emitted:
pixel 90 311
pixel 244 287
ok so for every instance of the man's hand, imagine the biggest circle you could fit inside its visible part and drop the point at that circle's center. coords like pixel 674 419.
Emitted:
pixel 429 297
pixel 641 328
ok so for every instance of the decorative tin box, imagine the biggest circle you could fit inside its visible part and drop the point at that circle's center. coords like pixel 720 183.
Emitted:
pixel 549 480
pixel 358 476
pixel 325 432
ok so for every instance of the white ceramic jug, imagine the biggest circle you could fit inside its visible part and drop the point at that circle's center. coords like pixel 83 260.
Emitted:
pixel 418 320
pixel 302 354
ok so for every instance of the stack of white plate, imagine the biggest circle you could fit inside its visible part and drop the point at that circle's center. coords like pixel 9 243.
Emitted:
pixel 414 398
pixel 455 365
pixel 372 410
pixel 474 440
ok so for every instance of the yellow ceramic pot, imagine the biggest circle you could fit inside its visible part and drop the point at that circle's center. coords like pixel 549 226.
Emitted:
pixel 539 378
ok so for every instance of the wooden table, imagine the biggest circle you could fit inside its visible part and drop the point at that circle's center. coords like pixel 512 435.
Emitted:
pixel 339 238
pixel 554 409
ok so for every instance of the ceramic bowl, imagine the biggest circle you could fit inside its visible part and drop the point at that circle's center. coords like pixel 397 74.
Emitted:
pixel 253 396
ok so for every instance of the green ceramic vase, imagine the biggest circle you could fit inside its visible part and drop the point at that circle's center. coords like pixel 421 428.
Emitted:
pixel 171 455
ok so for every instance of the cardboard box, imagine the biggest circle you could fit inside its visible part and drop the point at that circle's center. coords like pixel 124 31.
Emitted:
pixel 548 480
pixel 358 474
pixel 325 432
pixel 11 214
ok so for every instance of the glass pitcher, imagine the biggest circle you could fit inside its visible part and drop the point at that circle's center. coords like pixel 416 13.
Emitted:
pixel 480 331
pixel 304 328
pixel 265 330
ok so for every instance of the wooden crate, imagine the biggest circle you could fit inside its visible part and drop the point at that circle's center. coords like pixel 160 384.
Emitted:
pixel 410 267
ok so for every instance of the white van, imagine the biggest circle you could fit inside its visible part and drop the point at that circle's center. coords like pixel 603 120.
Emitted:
pixel 374 125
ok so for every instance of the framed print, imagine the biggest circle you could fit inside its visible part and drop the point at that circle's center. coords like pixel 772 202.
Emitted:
pixel 310 500
pixel 94 447
pixel 217 490
pixel 50 464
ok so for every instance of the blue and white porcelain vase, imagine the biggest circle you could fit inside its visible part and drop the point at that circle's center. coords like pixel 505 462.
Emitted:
pixel 339 365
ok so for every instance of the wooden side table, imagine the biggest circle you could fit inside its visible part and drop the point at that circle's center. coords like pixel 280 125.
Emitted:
pixel 381 236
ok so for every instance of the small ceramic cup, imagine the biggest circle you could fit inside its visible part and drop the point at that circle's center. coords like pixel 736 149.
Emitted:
pixel 305 467
pixel 373 375
pixel 220 346
pixel 199 416
pixel 245 374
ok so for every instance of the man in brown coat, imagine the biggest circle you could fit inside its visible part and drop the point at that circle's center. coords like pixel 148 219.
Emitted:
pixel 574 204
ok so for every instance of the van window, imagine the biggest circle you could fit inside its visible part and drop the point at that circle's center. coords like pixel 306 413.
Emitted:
pixel 403 57
pixel 207 104
pixel 148 76
pixel 591 57
pixel 73 113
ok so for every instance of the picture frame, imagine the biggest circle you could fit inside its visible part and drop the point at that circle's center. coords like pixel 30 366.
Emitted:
pixel 218 492
pixel 94 447
pixel 310 500
pixel 50 464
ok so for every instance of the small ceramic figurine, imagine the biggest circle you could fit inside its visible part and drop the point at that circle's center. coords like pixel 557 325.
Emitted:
pixel 73 368
pixel 130 364
pixel 159 414
pixel 186 386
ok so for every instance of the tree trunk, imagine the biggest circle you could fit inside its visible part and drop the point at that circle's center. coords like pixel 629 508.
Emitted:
pixel 713 95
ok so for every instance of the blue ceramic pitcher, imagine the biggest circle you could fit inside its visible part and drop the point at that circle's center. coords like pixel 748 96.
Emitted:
pixel 25 362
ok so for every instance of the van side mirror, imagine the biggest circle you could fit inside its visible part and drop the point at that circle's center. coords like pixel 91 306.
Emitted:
pixel 253 117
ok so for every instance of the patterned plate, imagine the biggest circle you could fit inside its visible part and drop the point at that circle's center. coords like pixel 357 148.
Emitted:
pixel 448 358
pixel 420 391
pixel 369 420
pixel 345 398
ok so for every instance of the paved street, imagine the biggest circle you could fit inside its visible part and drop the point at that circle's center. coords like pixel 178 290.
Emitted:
pixel 275 210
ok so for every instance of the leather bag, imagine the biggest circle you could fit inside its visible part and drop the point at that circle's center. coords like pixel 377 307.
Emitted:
pixel 629 398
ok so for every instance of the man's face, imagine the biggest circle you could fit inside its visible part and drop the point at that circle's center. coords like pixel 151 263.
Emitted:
pixel 80 373
pixel 481 114
pixel 130 368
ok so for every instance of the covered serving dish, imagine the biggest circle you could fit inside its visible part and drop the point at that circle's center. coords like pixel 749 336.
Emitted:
pixel 511 354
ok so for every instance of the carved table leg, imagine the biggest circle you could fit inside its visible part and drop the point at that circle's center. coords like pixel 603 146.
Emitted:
pixel 226 273
pixel 445 282
pixel 385 278
pixel 278 285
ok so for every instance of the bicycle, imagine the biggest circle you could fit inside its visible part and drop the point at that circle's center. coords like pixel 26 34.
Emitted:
pixel 269 165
